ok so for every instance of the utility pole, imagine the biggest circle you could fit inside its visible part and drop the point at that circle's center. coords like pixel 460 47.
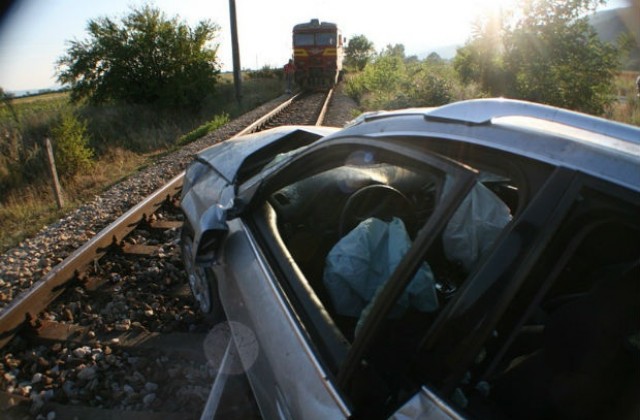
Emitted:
pixel 237 77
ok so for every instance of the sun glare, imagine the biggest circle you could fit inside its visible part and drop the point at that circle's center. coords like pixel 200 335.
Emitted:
pixel 463 15
pixel 490 13
pixel 492 6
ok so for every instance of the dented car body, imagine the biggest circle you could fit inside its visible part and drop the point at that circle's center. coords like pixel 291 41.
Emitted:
pixel 480 259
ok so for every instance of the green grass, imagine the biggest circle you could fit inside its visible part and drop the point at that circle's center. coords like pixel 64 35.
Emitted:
pixel 217 122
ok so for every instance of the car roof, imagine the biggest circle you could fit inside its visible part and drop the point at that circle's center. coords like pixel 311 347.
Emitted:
pixel 593 145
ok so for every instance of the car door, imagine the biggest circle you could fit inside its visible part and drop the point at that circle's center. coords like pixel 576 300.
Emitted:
pixel 564 344
pixel 426 373
pixel 285 374
pixel 270 286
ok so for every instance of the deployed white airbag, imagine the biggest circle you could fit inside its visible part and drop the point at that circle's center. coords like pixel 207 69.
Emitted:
pixel 364 259
pixel 474 226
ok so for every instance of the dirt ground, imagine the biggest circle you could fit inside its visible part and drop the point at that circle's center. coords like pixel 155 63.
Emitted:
pixel 341 110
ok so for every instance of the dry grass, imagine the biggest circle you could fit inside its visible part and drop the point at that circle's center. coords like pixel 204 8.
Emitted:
pixel 23 213
pixel 112 167
pixel 626 112
pixel 627 108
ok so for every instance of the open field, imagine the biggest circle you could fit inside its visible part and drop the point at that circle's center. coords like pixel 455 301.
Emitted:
pixel 40 98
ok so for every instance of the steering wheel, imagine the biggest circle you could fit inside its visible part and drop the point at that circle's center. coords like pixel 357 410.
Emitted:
pixel 377 200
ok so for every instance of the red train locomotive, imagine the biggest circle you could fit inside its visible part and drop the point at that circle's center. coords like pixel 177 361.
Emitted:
pixel 318 52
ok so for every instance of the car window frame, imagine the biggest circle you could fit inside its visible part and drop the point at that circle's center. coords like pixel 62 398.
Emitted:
pixel 533 295
pixel 539 220
pixel 463 182
pixel 584 182
pixel 464 178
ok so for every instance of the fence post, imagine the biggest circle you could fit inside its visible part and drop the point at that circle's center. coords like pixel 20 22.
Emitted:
pixel 57 189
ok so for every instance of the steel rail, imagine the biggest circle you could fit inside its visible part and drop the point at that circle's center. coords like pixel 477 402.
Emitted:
pixel 325 107
pixel 25 307
pixel 262 121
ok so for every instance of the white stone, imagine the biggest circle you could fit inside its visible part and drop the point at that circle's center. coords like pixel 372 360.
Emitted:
pixel 82 352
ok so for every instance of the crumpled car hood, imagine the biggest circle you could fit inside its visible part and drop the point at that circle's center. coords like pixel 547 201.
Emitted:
pixel 227 157
pixel 209 188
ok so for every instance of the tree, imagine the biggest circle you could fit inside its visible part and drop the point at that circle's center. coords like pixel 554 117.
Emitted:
pixel 145 59
pixel 481 59
pixel 549 54
pixel 559 59
pixel 434 58
pixel 358 52
pixel 396 50
pixel 431 82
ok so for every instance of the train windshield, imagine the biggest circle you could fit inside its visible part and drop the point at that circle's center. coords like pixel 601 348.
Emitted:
pixel 325 39
pixel 303 40
pixel 319 39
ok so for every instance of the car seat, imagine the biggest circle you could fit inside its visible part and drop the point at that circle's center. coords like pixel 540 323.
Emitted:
pixel 588 362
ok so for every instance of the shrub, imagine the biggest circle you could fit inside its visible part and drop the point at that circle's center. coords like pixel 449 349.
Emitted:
pixel 266 72
pixel 71 145
pixel 217 122
pixel 431 85
pixel 354 86
pixel 394 82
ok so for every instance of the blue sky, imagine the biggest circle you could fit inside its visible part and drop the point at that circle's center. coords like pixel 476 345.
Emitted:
pixel 34 34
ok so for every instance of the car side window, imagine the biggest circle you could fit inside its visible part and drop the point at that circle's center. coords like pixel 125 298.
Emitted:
pixel 348 226
pixel 568 346
pixel 467 234
pixel 320 213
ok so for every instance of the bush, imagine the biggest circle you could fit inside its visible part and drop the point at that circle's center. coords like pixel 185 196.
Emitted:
pixel 432 84
pixel 266 72
pixel 393 82
pixel 71 145
pixel 217 122
pixel 24 123
pixel 354 86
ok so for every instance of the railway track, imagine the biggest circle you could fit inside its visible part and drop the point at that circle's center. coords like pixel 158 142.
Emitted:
pixel 111 331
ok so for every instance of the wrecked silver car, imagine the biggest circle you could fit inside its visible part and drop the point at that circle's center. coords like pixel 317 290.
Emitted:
pixel 480 259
